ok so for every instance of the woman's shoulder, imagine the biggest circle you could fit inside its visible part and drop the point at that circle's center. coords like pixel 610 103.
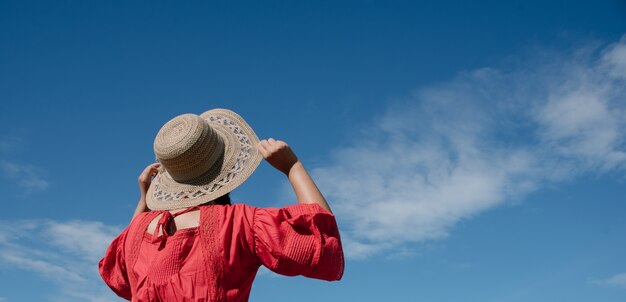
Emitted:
pixel 229 209
pixel 294 209
pixel 309 207
pixel 240 212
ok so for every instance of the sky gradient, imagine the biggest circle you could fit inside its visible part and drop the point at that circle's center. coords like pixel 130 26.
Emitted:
pixel 471 151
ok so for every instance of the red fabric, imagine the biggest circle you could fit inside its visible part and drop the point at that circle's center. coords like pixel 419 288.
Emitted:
pixel 218 260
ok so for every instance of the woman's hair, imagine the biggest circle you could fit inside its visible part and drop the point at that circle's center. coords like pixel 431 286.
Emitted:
pixel 223 200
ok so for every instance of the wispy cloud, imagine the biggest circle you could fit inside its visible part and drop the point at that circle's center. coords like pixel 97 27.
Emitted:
pixel 65 253
pixel 42 267
pixel 453 150
pixel 86 239
pixel 11 144
pixel 618 280
pixel 28 177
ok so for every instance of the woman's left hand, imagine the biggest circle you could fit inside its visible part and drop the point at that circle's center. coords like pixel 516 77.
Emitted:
pixel 144 180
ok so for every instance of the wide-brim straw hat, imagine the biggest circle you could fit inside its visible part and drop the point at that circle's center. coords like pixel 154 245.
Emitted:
pixel 202 158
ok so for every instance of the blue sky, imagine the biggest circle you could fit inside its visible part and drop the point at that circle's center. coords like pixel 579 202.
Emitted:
pixel 471 151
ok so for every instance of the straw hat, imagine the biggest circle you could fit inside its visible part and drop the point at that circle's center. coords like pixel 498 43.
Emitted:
pixel 202 158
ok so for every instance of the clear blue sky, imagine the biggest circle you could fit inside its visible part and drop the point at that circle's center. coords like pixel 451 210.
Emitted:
pixel 472 151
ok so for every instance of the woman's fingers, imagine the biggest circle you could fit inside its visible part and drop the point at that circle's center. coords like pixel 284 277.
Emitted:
pixel 145 178
pixel 268 147
pixel 278 154
pixel 149 172
pixel 263 148
pixel 153 169
pixel 271 145
pixel 281 144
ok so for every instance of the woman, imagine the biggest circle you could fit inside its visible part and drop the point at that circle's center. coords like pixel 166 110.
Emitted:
pixel 186 242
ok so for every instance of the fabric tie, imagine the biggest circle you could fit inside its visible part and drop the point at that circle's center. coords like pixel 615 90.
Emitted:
pixel 164 225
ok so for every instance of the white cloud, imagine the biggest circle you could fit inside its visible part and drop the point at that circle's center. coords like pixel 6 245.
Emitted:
pixel 66 253
pixel 584 114
pixel 614 59
pixel 618 280
pixel 359 250
pixel 42 267
pixel 87 239
pixel 456 149
pixel 29 178
pixel 11 144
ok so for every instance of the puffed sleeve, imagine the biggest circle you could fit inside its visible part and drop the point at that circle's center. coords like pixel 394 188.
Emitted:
pixel 112 267
pixel 301 239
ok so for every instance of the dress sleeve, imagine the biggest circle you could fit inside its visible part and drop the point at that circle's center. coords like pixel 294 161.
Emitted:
pixel 112 267
pixel 301 239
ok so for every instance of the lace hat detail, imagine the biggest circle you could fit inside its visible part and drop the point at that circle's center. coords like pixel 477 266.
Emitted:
pixel 202 158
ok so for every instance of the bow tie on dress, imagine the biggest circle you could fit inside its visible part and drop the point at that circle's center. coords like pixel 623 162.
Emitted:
pixel 165 225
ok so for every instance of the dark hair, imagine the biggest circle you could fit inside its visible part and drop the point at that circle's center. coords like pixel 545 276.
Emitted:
pixel 223 200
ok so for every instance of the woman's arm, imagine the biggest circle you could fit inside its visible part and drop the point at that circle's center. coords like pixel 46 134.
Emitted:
pixel 145 178
pixel 281 157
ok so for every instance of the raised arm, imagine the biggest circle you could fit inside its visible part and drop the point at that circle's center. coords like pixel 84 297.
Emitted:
pixel 281 157
pixel 144 180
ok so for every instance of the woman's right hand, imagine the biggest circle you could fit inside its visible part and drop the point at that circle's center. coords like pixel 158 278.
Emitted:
pixel 278 154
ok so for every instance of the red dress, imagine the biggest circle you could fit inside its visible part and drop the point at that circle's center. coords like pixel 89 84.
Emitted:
pixel 218 260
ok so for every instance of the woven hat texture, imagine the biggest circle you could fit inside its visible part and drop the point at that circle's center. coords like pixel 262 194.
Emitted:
pixel 202 158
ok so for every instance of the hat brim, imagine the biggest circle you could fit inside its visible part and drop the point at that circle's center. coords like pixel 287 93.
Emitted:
pixel 240 158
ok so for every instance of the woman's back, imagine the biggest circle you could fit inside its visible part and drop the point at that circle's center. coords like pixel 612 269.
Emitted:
pixel 217 260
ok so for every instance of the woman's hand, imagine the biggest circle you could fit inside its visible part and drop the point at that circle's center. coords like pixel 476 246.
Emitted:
pixel 278 154
pixel 144 180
